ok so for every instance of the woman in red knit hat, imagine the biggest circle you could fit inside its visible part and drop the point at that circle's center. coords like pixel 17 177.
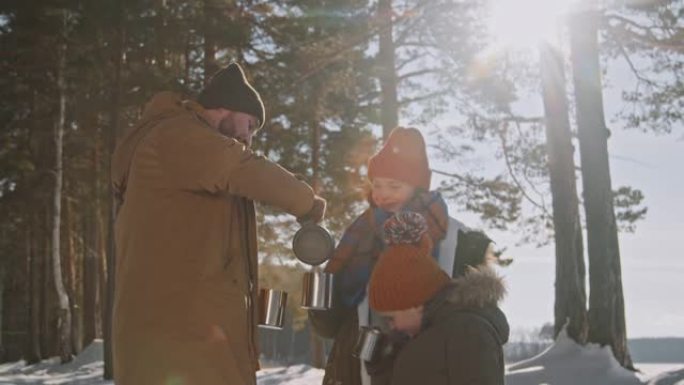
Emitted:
pixel 400 181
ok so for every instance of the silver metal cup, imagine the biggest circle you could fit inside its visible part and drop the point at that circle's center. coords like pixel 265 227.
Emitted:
pixel 272 305
pixel 313 244
pixel 317 290
pixel 368 344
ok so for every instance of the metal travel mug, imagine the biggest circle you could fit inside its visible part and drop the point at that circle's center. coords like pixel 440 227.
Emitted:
pixel 317 290
pixel 368 344
pixel 313 244
pixel 272 305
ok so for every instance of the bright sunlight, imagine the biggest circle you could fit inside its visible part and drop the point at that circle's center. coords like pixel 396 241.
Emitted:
pixel 521 24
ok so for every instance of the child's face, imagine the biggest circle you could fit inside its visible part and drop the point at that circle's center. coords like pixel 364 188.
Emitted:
pixel 391 194
pixel 407 321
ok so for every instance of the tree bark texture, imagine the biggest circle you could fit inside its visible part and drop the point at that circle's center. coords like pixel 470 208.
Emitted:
pixel 570 308
pixel 606 301
pixel 389 113
pixel 117 58
pixel 209 40
pixel 64 317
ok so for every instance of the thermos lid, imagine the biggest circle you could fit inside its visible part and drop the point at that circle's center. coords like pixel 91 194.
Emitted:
pixel 313 244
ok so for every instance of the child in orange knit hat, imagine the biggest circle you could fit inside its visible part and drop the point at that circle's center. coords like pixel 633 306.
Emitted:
pixel 456 329
pixel 400 181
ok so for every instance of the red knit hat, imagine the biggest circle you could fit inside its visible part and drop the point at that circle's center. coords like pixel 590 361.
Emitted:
pixel 406 275
pixel 402 158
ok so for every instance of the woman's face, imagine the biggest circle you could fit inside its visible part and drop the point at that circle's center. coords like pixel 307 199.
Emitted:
pixel 391 194
pixel 490 258
pixel 407 321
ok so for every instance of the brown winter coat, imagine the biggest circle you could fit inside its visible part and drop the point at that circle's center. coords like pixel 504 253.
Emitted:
pixel 186 269
pixel 461 340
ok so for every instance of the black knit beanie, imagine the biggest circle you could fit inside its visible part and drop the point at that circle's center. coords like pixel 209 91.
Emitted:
pixel 229 89
pixel 470 250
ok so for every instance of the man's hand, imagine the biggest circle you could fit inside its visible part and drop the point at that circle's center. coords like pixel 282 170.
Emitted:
pixel 317 212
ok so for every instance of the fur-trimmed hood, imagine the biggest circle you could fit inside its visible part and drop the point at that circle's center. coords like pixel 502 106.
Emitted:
pixel 478 288
pixel 478 292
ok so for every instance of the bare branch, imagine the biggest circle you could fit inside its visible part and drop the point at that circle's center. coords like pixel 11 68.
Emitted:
pixel 452 175
pixel 509 166
pixel 418 73
pixel 523 119
pixel 645 34
pixel 407 61
pixel 423 97
pixel 635 71
pixel 527 167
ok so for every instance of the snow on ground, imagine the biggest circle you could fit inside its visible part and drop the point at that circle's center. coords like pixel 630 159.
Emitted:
pixel 567 363
pixel 51 372
pixel 291 375
pixel 564 363
pixel 649 372
pixel 85 369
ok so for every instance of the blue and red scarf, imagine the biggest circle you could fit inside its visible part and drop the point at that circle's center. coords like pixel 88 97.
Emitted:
pixel 362 242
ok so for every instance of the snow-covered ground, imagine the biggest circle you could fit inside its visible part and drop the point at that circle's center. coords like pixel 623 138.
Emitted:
pixel 291 375
pixel 567 363
pixel 564 363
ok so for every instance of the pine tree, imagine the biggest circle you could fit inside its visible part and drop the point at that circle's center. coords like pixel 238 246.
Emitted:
pixel 606 300
pixel 570 308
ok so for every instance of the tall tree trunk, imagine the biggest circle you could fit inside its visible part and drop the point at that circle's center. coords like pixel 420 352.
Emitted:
pixel 64 317
pixel 14 297
pixel 91 252
pixel 606 301
pixel 291 345
pixel 2 304
pixel 2 312
pixel 317 353
pixel 388 74
pixel 187 61
pixel 71 261
pixel 34 352
pixel 315 126
pixel 209 39
pixel 102 260
pixel 161 25
pixel 316 343
pixel 46 332
pixel 117 58
pixel 570 309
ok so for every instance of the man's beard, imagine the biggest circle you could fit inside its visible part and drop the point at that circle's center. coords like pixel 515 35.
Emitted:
pixel 227 128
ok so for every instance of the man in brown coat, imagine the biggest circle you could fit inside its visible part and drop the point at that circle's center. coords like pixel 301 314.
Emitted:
pixel 186 273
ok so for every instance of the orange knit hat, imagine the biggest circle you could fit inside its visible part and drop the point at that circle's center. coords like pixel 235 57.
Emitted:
pixel 406 275
pixel 403 158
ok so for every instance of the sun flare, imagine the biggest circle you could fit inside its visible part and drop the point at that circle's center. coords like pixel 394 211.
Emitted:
pixel 521 24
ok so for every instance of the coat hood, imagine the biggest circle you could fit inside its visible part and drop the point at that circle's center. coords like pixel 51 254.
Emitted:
pixel 478 288
pixel 162 106
pixel 478 292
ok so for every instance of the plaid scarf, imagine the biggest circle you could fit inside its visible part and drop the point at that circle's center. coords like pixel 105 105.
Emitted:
pixel 362 242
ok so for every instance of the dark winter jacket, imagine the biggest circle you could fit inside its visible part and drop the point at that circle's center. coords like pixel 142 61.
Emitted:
pixel 341 322
pixel 462 336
